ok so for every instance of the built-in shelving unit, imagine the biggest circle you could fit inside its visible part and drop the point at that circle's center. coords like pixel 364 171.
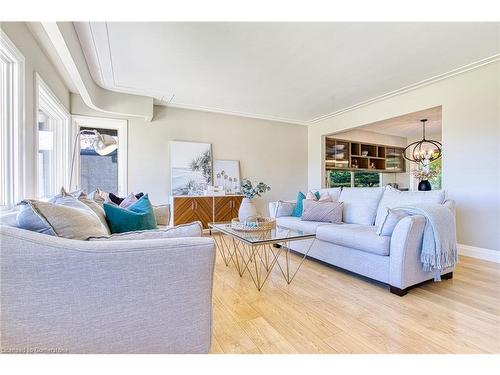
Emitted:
pixel 348 155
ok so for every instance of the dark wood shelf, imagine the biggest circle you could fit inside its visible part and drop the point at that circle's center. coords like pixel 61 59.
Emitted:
pixel 385 158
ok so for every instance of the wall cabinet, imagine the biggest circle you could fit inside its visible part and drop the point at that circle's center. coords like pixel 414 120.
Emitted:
pixel 205 209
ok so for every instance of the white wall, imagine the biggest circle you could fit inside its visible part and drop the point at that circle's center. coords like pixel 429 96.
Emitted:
pixel 471 132
pixel 35 62
pixel 272 152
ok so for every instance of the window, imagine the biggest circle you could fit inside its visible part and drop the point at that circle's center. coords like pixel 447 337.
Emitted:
pixel 436 181
pixel 53 140
pixel 11 123
pixel 366 179
pixel 353 179
pixel 106 172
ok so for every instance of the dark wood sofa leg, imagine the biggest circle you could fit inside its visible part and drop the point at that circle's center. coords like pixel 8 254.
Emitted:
pixel 399 292
pixel 447 276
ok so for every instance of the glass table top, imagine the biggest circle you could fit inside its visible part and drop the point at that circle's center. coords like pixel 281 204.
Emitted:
pixel 279 234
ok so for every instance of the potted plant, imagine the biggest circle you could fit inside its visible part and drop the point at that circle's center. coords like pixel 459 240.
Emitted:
pixel 249 190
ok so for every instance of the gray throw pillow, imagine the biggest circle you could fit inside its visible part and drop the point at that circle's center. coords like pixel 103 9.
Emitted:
pixel 328 212
pixel 284 208
pixel 194 229
pixel 74 220
pixel 29 219
pixel 82 202
pixel 390 221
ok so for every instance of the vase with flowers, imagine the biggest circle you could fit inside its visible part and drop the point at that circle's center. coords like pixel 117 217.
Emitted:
pixel 250 190
pixel 423 175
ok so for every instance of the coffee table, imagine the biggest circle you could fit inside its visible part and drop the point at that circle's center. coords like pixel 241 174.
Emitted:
pixel 257 252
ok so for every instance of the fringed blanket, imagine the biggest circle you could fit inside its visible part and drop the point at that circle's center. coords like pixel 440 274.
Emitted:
pixel 439 243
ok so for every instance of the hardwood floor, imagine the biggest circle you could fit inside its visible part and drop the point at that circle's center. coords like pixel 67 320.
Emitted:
pixel 327 310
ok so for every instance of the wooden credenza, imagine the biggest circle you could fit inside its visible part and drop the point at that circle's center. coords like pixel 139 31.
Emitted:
pixel 206 209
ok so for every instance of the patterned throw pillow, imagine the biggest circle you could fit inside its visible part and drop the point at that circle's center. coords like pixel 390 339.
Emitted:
pixel 128 201
pixel 328 212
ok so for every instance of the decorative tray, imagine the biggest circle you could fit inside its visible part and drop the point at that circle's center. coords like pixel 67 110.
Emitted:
pixel 254 224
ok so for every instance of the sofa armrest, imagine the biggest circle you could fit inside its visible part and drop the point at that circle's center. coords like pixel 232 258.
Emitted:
pixel 451 204
pixel 405 265
pixel 138 296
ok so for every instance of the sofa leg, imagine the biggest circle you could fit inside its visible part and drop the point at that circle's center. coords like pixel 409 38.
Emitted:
pixel 399 292
pixel 447 276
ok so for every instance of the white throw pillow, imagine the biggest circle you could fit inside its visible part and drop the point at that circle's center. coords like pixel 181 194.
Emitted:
pixel 390 221
pixel 284 209
pixel 393 198
pixel 194 229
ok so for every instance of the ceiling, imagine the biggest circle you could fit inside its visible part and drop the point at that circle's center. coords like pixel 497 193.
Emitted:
pixel 409 125
pixel 293 72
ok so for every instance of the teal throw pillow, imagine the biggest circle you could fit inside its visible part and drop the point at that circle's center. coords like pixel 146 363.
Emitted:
pixel 299 207
pixel 138 216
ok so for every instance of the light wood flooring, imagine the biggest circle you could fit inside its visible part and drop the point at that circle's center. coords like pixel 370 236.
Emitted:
pixel 327 310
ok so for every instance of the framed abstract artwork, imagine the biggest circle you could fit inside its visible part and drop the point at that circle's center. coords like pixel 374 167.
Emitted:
pixel 190 167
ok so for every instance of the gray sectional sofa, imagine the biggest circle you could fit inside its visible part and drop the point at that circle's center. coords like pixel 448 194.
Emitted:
pixel 355 246
pixel 60 295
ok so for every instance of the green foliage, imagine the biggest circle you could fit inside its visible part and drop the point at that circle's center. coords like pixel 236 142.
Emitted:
pixel 436 180
pixel 366 179
pixel 340 178
pixel 250 191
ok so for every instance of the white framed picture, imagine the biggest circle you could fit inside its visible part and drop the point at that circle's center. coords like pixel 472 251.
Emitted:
pixel 227 175
pixel 190 167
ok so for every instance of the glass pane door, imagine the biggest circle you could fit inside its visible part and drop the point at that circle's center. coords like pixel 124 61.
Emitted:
pixel 98 171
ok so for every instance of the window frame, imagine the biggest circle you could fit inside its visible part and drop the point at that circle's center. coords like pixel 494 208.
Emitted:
pixel 121 126
pixel 50 104
pixel 12 124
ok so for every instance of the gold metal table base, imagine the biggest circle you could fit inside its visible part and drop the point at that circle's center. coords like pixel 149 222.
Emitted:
pixel 258 259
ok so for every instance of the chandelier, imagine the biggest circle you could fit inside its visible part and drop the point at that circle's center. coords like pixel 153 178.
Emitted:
pixel 424 151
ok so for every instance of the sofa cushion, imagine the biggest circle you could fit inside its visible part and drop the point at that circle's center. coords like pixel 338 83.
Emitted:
pixel 360 237
pixel 194 229
pixel 393 198
pixel 360 204
pixel 297 224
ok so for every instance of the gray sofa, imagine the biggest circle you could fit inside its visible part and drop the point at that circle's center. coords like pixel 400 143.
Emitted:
pixel 139 296
pixel 355 245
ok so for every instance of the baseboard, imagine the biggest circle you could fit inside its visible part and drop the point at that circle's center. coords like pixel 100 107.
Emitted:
pixel 479 253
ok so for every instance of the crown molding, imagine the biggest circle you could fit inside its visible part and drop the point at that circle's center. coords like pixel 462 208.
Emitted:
pixel 235 113
pixel 425 82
